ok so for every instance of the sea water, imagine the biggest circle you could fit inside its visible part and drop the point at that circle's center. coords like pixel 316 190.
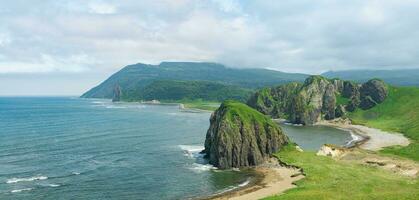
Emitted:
pixel 71 148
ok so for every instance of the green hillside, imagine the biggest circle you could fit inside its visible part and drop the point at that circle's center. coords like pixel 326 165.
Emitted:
pixel 327 178
pixel 173 90
pixel 132 79
pixel 400 77
pixel 400 113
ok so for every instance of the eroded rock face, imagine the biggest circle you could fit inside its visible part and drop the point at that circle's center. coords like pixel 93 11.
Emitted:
pixel 373 92
pixel 240 136
pixel 116 94
pixel 317 99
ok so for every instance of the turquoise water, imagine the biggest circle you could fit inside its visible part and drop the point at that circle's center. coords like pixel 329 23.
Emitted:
pixel 311 138
pixel 70 148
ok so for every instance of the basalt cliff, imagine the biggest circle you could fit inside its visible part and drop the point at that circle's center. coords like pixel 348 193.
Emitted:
pixel 318 98
pixel 240 136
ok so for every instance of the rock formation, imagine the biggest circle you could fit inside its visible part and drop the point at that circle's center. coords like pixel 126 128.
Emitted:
pixel 240 136
pixel 373 92
pixel 116 94
pixel 317 98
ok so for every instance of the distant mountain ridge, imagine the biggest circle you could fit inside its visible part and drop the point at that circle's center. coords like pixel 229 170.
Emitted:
pixel 133 79
pixel 399 77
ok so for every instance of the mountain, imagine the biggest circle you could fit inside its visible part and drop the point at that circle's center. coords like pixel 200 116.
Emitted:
pixel 318 98
pixel 132 79
pixel 240 136
pixel 172 90
pixel 400 77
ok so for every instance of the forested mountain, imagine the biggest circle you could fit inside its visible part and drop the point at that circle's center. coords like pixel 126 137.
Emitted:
pixel 400 77
pixel 134 79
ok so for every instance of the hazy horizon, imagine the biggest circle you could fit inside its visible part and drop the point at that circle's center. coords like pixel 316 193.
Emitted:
pixel 66 47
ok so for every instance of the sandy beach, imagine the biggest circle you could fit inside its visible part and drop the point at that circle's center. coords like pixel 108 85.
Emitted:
pixel 275 180
pixel 368 138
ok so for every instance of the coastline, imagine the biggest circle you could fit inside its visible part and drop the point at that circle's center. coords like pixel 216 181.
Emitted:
pixel 276 178
pixel 272 179
pixel 365 137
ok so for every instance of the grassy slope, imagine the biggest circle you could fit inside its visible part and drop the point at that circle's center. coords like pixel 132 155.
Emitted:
pixel 330 179
pixel 399 113
pixel 247 114
pixel 202 105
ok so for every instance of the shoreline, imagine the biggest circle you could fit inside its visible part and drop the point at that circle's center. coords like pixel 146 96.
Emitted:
pixel 365 137
pixel 272 178
pixel 276 178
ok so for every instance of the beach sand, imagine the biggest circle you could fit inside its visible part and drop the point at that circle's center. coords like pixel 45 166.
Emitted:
pixel 369 138
pixel 275 180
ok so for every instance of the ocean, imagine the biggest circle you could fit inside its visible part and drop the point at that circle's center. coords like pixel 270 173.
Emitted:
pixel 72 148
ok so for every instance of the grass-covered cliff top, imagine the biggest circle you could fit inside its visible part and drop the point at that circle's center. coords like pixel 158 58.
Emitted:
pixel 398 113
pixel 327 178
pixel 235 109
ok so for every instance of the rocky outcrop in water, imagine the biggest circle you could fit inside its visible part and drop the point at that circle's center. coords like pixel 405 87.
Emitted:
pixel 240 136
pixel 317 98
pixel 116 94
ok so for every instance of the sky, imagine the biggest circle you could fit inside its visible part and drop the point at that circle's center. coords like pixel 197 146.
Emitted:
pixel 58 47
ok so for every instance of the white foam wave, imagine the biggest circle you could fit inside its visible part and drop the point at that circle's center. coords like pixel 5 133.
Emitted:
pixel 75 173
pixel 228 189
pixel 53 185
pixel 291 124
pixel 21 190
pixel 192 151
pixel 34 178
pixel 354 139
pixel 244 183
pixel 201 167
pixel 115 107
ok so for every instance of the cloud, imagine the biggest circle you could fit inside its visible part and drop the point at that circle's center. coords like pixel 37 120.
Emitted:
pixel 46 64
pixel 101 8
pixel 5 39
pixel 295 36
pixel 228 5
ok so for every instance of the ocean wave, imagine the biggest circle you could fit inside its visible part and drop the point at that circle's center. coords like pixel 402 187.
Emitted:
pixel 230 188
pixel 53 185
pixel 115 107
pixel 291 124
pixel 76 173
pixel 196 167
pixel 244 183
pixel 34 178
pixel 354 139
pixel 192 151
pixel 21 190
pixel 98 102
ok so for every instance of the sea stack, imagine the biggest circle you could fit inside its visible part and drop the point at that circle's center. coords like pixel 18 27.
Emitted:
pixel 240 136
pixel 116 94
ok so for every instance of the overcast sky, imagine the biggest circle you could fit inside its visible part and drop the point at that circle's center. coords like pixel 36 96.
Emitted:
pixel 57 47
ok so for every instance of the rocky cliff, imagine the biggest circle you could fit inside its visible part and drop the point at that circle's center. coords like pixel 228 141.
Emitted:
pixel 240 136
pixel 116 93
pixel 317 98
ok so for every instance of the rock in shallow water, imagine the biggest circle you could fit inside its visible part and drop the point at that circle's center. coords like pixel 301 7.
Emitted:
pixel 240 136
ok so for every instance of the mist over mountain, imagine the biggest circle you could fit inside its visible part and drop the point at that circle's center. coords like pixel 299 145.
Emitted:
pixel 399 77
